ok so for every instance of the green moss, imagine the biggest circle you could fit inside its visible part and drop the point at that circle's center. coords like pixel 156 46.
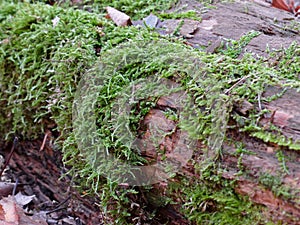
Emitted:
pixel 206 93
pixel 279 139
pixel 183 15
pixel 41 63
pixel 210 199
pixel 235 47
pixel 274 183
pixel 206 205
pixel 136 9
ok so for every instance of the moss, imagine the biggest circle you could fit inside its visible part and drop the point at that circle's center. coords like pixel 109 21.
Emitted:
pixel 235 47
pixel 136 9
pixel 211 205
pixel 41 64
pixel 210 199
pixel 274 183
pixel 182 15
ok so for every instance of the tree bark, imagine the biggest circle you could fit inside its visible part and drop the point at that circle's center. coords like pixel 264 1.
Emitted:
pixel 242 17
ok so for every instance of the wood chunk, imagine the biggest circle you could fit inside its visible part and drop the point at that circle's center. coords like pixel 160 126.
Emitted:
pixel 119 18
pixel 189 28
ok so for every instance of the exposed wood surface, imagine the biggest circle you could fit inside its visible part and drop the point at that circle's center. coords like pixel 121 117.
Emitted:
pixel 232 20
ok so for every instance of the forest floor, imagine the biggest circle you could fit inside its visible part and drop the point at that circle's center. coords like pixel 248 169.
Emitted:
pixel 37 168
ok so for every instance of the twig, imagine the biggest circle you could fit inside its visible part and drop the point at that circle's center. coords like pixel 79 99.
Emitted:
pixel 63 202
pixel 15 187
pixel 236 84
pixel 58 207
pixel 10 155
pixel 55 210
pixel 259 102
pixel 44 141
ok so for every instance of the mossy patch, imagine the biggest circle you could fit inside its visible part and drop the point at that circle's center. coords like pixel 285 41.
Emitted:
pixel 182 15
pixel 136 9
pixel 41 63
pixel 211 203
pixel 45 50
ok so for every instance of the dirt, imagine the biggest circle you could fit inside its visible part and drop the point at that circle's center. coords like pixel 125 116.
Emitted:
pixel 40 173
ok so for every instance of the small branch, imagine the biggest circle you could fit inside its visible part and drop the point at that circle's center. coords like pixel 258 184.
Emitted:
pixel 10 155
pixel 259 102
pixel 236 84
pixel 44 141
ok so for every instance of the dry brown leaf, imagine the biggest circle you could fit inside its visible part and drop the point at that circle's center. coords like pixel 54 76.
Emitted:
pixel 8 212
pixel 23 199
pixel 292 6
pixel 11 213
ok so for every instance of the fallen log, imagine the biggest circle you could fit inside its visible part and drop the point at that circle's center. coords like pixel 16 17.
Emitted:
pixel 264 171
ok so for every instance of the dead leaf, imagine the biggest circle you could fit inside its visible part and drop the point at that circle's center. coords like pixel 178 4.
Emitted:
pixel 119 18
pixel 292 6
pixel 8 212
pixel 281 4
pixel 11 213
pixel 23 199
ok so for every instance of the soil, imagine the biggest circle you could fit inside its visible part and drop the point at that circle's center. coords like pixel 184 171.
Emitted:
pixel 40 172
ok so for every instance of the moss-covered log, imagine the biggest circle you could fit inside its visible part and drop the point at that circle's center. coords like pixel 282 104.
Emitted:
pixel 240 111
pixel 265 171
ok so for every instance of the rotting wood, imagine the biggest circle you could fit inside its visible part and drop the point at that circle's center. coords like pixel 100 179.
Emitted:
pixel 262 161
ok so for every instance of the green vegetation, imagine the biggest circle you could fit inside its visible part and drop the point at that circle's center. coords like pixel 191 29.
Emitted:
pixel 208 204
pixel 45 52
pixel 274 183
pixel 135 9
pixel 40 64
pixel 183 15
pixel 235 47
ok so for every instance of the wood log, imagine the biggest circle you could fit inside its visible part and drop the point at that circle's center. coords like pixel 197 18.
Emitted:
pixel 260 174
pixel 270 175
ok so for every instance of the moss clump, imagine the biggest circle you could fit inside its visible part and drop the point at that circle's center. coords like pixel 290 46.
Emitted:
pixel 40 64
pixel 211 203
pixel 180 15
pixel 45 50
pixel 136 9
